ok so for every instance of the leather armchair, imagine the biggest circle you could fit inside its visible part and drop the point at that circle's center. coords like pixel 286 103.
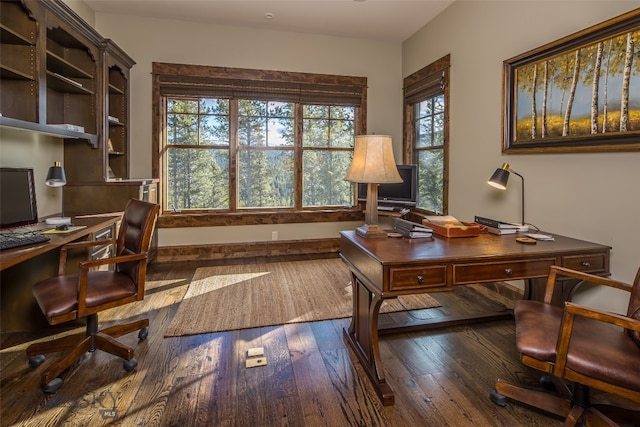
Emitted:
pixel 579 348
pixel 68 297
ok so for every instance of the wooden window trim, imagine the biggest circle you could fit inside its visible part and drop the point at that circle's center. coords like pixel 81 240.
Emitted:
pixel 418 85
pixel 184 79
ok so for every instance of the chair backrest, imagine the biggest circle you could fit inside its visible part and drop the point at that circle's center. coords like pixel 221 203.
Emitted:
pixel 634 306
pixel 135 234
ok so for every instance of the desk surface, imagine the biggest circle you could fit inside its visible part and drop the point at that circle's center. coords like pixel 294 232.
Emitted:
pixel 390 251
pixel 11 257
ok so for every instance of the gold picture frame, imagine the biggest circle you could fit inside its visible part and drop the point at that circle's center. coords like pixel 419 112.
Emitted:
pixel 580 93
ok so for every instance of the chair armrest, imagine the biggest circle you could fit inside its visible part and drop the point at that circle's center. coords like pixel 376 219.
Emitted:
pixel 603 316
pixel 86 265
pixel 556 271
pixel 87 243
pixel 566 328
pixel 62 261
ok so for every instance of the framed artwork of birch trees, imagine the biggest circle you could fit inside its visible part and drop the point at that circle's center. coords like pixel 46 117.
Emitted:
pixel 578 94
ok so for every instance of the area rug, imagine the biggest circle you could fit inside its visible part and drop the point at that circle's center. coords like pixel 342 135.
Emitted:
pixel 233 297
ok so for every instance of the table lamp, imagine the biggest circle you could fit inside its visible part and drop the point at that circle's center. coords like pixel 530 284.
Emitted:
pixel 372 164
pixel 499 180
pixel 57 178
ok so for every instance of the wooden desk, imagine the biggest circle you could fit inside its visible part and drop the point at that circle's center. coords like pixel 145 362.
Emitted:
pixel 384 268
pixel 22 267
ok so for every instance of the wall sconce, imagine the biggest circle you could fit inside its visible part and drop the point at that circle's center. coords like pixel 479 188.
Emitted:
pixel 373 163
pixel 57 178
pixel 499 180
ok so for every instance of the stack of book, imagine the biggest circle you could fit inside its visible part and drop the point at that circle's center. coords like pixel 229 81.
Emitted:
pixel 498 227
pixel 412 230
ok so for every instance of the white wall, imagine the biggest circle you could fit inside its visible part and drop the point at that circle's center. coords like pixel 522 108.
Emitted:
pixel 591 196
pixel 21 149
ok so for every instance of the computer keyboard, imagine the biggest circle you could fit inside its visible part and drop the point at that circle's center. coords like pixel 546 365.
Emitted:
pixel 396 209
pixel 10 241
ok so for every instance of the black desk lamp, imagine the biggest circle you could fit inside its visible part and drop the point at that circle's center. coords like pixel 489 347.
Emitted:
pixel 57 178
pixel 499 180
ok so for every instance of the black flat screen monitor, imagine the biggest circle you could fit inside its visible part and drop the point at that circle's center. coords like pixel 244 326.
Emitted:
pixel 404 193
pixel 18 205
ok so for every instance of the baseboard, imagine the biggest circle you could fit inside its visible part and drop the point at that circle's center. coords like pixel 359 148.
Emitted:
pixel 311 247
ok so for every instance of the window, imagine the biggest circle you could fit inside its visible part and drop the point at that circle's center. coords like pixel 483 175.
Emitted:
pixel 426 109
pixel 268 140
pixel 197 147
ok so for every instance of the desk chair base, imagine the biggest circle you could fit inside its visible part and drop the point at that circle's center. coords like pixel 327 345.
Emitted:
pixel 74 346
pixel 571 403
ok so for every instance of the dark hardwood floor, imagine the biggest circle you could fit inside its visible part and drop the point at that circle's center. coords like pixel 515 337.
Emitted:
pixel 441 377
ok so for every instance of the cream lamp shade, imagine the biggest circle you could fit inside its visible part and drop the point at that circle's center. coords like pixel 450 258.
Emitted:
pixel 373 163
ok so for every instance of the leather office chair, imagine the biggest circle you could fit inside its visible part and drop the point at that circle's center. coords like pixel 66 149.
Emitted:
pixel 83 295
pixel 580 350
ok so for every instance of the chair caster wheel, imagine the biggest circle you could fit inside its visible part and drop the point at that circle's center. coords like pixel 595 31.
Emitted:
pixel 497 398
pixel 130 365
pixel 52 386
pixel 546 381
pixel 37 360
pixel 143 334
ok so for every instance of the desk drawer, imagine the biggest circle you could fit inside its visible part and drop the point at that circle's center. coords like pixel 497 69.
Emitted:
pixel 499 271
pixel 418 278
pixel 595 263
pixel 103 251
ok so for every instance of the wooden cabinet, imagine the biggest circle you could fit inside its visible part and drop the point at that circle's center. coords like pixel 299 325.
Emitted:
pixel 72 81
pixel 60 77
pixel 50 75
pixel 116 66
pixel 110 161
pixel 18 70
pixel 100 197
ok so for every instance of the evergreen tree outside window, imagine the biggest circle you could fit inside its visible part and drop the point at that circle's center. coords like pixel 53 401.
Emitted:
pixel 197 146
pixel 328 139
pixel 236 139
pixel 266 149
pixel 426 95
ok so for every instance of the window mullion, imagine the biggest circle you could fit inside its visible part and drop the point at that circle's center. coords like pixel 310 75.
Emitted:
pixel 233 155
pixel 297 156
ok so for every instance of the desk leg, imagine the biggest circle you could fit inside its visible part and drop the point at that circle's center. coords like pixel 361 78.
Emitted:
pixel 362 336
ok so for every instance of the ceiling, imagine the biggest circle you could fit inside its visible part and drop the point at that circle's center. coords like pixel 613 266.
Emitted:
pixel 381 20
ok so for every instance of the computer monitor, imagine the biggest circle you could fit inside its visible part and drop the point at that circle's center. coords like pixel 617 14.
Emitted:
pixel 404 193
pixel 18 205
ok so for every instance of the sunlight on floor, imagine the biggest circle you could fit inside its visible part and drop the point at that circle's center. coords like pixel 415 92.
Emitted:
pixel 219 282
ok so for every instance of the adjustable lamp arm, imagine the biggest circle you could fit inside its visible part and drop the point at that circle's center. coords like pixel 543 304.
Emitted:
pixel 500 178
pixel 522 178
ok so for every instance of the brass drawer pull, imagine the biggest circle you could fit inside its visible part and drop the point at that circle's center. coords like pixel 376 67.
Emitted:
pixel 420 279
pixel 586 264
pixel 508 271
